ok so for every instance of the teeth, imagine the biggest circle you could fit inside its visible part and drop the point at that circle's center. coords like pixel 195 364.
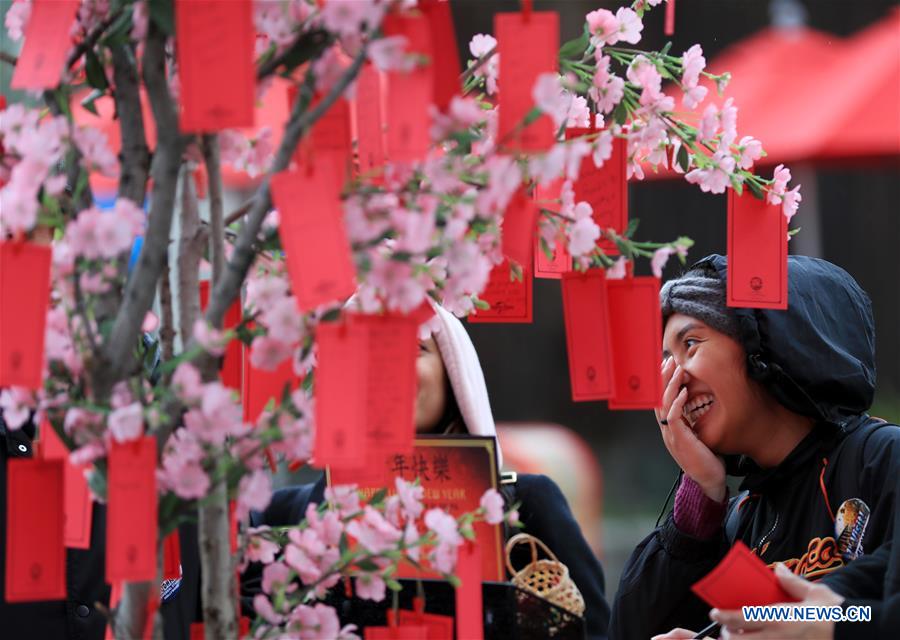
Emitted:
pixel 698 407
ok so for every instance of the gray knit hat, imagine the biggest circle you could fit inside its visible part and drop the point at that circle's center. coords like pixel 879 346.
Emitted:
pixel 699 293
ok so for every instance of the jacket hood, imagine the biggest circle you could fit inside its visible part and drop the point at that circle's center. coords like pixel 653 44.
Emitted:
pixel 466 377
pixel 817 357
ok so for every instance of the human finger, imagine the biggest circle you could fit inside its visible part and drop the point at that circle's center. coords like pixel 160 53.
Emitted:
pixel 675 634
pixel 671 391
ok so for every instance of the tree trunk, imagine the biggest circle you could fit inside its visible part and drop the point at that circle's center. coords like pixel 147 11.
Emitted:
pixel 219 615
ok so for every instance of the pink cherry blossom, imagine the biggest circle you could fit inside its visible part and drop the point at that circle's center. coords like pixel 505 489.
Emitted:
pixel 319 622
pixel 254 493
pixel 751 150
pixel 630 25
pixel 410 498
pixel 692 63
pixel 127 423
pixel 139 20
pixel 584 232
pixel 480 45
pixel 373 532
pixel 346 17
pixel 187 383
pixel 618 270
pixel 660 258
pixel 212 340
pixel 444 526
pixel 283 320
pixel 263 606
pixel 370 586
pixel 791 202
pixel 275 575
pixel 604 26
pixel 17 19
pixel 95 152
pixel 390 54
pixel 781 177
pixel 17 404
pixel 344 498
pixel 259 549
pixel 714 179
pixel 492 503
pixel 328 526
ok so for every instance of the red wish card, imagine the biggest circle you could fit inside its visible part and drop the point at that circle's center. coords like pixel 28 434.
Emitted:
pixel 394 631
pixel 131 531
pixel 510 300
pixel 455 471
pixel 231 361
pixel 171 556
pixel 331 139
pixel 586 315
pixel 78 503
pixel 605 189
pixel 446 65
pixel 757 253
pixel 340 394
pixel 25 288
pixel 313 236
pixel 367 113
pixel 519 221
pixel 215 48
pixel 741 579
pixel 469 604
pixel 635 324
pixel 35 553
pixel 528 47
pixel 560 261
pixel 261 386
pixel 437 627
pixel 47 41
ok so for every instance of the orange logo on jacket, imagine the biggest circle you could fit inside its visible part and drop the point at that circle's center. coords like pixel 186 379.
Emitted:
pixel 822 556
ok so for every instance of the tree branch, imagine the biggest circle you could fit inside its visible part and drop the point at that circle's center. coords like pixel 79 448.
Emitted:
pixel 307 46
pixel 116 352
pixel 134 157
pixel 219 616
pixel 238 213
pixel 167 320
pixel 91 39
pixel 8 58
pixel 190 248
pixel 216 222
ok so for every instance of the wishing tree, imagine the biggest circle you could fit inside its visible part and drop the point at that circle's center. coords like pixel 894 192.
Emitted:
pixel 398 178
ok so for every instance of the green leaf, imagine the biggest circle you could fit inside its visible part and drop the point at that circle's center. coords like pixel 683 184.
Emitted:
pixel 163 16
pixel 665 50
pixel 575 48
pixel 756 190
pixel 620 115
pixel 379 497
pixel 682 158
pixel 481 304
pixel 632 227
pixel 393 585
pixel 367 565
pixel 96 76
pixel 793 232
pixel 88 101
pixel 737 185
pixel 332 315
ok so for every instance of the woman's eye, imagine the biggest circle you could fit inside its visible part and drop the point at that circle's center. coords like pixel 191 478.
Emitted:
pixel 423 348
pixel 691 342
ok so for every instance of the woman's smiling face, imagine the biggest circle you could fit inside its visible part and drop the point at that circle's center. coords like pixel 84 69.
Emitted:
pixel 721 398
pixel 431 397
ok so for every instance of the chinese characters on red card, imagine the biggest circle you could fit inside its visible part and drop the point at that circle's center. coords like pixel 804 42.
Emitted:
pixel 47 41
pixel 635 324
pixel 586 314
pixel 510 300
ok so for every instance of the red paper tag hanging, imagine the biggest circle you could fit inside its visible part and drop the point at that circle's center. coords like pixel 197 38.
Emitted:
pixel 340 395
pixel 757 253
pixel 198 631
pixel 560 261
pixel 261 386
pixel 171 556
pixel 312 232
pixel 330 139
pixel 215 49
pixel 469 604
pixel 410 95
pixel 231 361
pixel 35 551
pixel 25 288
pixel 605 189
pixel 437 627
pixel 78 504
pixel 446 65
pixel 369 119
pixel 588 342
pixel 510 300
pixel 131 521
pixel 519 222
pixel 635 324
pixel 47 41
pixel 741 579
pixel 527 48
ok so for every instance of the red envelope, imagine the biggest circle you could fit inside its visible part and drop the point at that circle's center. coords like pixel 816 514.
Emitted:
pixel 586 314
pixel 605 189
pixel 24 297
pixel 369 121
pixel 550 268
pixel 171 556
pixel 469 612
pixel 131 524
pixel 78 503
pixel 741 579
pixel 47 43
pixel 510 300
pixel 340 395
pixel 519 222
pixel 446 65
pixel 261 386
pixel 757 253
pixel 231 361
pixel 401 632
pixel 35 552
pixel 409 95
pixel 437 627
pixel 527 48
pixel 216 66
pixel 312 232
pixel 330 139
pixel 635 324
pixel 198 631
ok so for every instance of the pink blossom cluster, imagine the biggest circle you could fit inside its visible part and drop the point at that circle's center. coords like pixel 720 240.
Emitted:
pixel 103 235
pixel 608 29
pixel 251 155
pixel 277 22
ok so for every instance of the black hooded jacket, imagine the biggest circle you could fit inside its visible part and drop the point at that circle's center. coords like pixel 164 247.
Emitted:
pixel 818 359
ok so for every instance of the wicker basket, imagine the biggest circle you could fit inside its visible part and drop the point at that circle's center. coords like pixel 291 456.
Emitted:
pixel 546 578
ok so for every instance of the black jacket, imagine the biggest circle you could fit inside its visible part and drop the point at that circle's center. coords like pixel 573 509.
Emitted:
pixel 544 512
pixel 817 359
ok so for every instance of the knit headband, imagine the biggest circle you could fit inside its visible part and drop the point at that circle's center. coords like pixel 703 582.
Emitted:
pixel 699 293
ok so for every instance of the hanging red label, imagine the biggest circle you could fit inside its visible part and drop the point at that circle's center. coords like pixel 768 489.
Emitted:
pixel 635 324
pixel 510 300
pixel 410 95
pixel 741 579
pixel 216 67
pixel 518 228
pixel 605 189
pixel 586 315
pixel 231 361
pixel 171 556
pixel 446 66
pixel 131 521
pixel 25 288
pixel 437 627
pixel 469 604
pixel 560 261
pixel 757 253
pixel 313 236
pixel 261 386
pixel 527 47
pixel 47 41
pixel 369 119
pixel 35 552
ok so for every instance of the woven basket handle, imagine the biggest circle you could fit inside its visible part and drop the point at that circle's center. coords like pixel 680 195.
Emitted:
pixel 521 538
